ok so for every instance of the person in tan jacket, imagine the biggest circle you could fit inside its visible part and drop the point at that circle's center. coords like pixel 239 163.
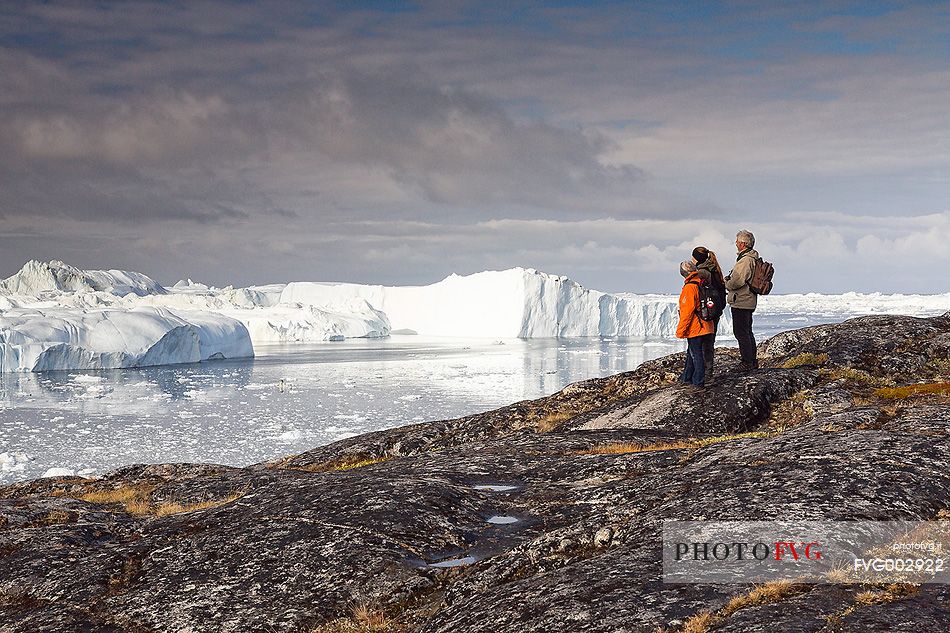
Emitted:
pixel 695 330
pixel 742 300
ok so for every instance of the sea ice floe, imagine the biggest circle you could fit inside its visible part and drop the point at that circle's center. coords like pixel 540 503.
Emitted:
pixel 14 461
pixel 58 472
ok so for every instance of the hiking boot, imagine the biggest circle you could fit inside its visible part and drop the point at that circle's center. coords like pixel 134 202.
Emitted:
pixel 746 367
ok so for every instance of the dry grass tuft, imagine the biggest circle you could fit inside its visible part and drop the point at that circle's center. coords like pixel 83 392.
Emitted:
pixel 805 359
pixel 363 619
pixel 907 391
pixel 699 623
pixel 889 593
pixel 839 575
pixel 620 448
pixel 762 594
pixel 346 462
pixel 552 421
pixel 767 593
pixel 56 517
pixel 173 507
pixel 135 499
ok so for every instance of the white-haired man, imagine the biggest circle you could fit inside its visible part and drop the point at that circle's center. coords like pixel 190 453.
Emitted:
pixel 741 298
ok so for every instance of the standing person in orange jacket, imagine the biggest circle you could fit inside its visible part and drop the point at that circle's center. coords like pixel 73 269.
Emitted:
pixel 695 330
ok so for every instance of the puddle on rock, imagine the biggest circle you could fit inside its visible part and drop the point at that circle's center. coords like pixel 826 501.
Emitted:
pixel 454 562
pixel 495 487
pixel 502 519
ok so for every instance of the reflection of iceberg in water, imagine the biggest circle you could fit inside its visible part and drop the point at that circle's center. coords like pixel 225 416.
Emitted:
pixel 151 391
pixel 550 364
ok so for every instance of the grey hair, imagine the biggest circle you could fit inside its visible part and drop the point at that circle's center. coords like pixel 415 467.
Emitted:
pixel 746 238
pixel 686 268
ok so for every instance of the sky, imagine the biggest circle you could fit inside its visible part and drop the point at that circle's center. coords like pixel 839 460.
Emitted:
pixel 400 142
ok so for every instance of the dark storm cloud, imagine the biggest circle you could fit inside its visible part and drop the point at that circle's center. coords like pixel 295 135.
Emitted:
pixel 217 101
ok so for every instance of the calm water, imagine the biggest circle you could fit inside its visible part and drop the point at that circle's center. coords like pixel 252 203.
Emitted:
pixel 288 399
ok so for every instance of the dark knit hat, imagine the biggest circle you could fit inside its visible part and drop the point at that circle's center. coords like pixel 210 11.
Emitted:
pixel 700 254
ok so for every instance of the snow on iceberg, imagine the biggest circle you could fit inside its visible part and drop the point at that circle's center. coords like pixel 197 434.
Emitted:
pixel 38 278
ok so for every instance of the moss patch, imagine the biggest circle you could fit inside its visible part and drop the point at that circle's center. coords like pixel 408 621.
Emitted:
pixel 803 360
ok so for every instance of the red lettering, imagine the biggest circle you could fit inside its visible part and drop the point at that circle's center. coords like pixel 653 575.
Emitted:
pixel 780 548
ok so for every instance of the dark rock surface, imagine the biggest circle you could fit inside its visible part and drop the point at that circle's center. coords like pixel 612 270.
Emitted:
pixel 380 520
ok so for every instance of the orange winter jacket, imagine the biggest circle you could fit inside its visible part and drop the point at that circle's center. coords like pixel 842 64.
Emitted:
pixel 690 324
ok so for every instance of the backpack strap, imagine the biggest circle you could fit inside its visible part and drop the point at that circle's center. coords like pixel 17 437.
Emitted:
pixel 699 297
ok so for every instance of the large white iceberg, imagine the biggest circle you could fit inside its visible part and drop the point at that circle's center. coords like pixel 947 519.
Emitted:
pixel 69 338
pixel 515 303
pixel 55 316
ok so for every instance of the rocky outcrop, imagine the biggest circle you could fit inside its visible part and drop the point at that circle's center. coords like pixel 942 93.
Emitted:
pixel 508 520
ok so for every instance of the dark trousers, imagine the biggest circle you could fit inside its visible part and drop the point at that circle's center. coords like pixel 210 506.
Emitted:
pixel 695 370
pixel 709 350
pixel 742 328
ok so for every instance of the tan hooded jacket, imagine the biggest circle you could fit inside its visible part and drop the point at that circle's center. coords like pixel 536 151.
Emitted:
pixel 740 295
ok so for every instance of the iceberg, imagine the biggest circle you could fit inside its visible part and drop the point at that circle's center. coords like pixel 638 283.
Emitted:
pixel 34 339
pixel 37 278
pixel 514 303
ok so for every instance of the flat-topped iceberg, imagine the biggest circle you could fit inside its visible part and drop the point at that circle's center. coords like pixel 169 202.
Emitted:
pixel 514 303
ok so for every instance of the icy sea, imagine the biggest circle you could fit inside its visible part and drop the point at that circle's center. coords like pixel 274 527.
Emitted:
pixel 291 398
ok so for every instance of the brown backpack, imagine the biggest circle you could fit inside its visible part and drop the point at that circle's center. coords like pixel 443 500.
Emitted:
pixel 761 281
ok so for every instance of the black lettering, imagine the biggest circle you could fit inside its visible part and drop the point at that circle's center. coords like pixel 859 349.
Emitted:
pixel 681 549
pixel 705 550
pixel 740 549
pixel 717 548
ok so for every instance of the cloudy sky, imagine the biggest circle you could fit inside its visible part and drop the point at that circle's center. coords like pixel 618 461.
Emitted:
pixel 390 142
